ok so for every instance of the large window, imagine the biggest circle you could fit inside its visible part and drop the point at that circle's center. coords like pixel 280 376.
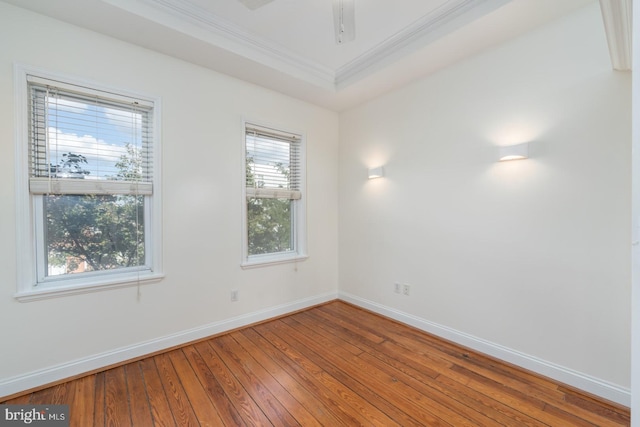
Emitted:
pixel 274 191
pixel 92 187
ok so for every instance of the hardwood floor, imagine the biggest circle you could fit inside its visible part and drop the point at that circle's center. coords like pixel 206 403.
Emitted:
pixel 332 365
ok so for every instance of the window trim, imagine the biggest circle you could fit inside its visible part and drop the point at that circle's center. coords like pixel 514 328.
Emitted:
pixel 26 256
pixel 299 208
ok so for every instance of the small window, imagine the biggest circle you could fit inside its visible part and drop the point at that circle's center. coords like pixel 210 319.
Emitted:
pixel 274 192
pixel 92 187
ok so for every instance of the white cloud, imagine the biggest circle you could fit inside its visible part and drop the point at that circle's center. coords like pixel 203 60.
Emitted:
pixel 69 105
pixel 101 156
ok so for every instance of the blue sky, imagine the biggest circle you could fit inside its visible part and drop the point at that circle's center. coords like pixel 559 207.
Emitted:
pixel 98 132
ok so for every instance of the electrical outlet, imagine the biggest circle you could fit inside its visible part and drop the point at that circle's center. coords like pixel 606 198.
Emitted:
pixel 397 287
pixel 234 295
pixel 406 290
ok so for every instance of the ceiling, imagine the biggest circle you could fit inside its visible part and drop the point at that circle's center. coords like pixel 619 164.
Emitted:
pixel 289 45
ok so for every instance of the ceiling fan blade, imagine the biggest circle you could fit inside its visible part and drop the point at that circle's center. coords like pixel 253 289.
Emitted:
pixel 254 4
pixel 344 20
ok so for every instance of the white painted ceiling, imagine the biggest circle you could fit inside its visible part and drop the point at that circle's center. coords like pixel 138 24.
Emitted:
pixel 289 45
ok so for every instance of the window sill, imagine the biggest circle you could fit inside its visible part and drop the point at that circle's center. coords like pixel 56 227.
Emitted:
pixel 36 294
pixel 268 260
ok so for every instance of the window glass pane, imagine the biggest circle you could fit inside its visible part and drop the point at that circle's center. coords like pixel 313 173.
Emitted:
pixel 93 232
pixel 79 137
pixel 269 225
pixel 268 163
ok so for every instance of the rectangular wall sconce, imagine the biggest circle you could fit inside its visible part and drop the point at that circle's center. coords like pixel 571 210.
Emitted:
pixel 376 172
pixel 514 152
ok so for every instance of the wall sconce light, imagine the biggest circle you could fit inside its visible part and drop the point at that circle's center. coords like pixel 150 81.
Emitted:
pixel 377 172
pixel 514 152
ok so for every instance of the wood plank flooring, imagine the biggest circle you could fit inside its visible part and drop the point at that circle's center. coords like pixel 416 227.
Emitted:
pixel 332 365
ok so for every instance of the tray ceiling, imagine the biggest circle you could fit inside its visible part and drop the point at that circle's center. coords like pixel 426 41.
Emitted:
pixel 289 45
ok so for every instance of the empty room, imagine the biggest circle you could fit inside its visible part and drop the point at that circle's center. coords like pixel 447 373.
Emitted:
pixel 319 212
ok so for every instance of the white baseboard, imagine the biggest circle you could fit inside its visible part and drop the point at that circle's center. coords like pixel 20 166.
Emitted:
pixel 567 376
pixel 56 373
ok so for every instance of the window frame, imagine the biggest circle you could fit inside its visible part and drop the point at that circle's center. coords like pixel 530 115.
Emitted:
pixel 29 206
pixel 298 208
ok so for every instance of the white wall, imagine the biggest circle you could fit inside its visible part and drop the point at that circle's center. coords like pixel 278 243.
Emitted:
pixel 202 113
pixel 530 258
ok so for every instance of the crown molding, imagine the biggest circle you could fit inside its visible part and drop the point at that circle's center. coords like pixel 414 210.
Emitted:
pixel 616 15
pixel 189 19
pixel 446 18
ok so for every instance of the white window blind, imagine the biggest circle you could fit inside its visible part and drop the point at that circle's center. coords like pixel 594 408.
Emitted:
pixel 85 141
pixel 273 164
